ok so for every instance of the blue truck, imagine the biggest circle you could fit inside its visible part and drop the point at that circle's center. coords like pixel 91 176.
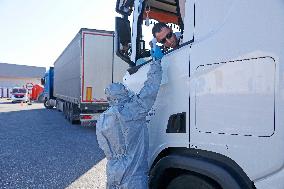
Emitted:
pixel 48 81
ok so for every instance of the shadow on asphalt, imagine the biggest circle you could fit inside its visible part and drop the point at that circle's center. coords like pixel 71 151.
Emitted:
pixel 7 102
pixel 40 149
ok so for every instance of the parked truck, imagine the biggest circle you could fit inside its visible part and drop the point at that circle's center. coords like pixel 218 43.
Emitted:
pixel 47 81
pixel 76 83
pixel 218 118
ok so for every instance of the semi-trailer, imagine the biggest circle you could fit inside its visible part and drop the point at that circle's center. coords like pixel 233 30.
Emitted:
pixel 75 84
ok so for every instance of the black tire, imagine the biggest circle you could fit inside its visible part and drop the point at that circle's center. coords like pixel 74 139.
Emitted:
pixel 71 113
pixel 46 104
pixel 189 181
pixel 67 110
pixel 57 106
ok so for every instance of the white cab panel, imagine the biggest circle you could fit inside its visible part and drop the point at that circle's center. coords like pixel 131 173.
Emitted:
pixel 170 100
pixel 236 97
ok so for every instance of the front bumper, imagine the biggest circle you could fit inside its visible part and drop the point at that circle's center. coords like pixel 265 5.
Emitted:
pixel 19 99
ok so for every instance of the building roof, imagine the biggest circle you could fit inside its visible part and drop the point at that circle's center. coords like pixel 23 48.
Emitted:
pixel 21 71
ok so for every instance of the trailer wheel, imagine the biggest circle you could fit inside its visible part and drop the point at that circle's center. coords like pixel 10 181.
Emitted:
pixel 57 105
pixel 71 114
pixel 65 110
pixel 192 181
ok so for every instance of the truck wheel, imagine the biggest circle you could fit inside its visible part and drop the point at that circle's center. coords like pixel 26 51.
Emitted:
pixel 187 181
pixel 46 104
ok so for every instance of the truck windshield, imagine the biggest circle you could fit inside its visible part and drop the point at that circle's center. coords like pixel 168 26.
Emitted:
pixel 19 91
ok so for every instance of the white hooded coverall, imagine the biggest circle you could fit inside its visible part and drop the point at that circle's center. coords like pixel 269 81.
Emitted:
pixel 122 132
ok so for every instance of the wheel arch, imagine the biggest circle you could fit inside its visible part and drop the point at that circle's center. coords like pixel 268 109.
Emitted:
pixel 221 169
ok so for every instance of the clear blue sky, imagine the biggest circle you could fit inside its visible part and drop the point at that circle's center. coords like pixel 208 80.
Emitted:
pixel 35 32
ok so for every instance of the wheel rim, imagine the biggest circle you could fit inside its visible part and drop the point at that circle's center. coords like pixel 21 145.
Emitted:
pixel 46 103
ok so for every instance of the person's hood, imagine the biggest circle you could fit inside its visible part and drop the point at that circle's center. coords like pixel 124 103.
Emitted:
pixel 116 94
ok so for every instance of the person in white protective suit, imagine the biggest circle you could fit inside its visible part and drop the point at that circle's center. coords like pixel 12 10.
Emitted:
pixel 122 132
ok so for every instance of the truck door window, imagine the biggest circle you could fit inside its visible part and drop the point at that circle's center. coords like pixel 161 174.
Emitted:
pixel 154 11
pixel 149 13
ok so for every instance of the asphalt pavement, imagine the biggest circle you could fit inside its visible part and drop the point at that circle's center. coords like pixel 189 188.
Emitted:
pixel 40 149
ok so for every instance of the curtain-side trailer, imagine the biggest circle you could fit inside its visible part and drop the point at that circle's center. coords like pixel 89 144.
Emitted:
pixel 81 73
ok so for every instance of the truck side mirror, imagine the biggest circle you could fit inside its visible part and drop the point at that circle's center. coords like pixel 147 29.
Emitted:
pixel 123 39
pixel 42 81
pixel 124 7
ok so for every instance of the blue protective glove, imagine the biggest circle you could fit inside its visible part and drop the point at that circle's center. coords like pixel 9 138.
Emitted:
pixel 157 53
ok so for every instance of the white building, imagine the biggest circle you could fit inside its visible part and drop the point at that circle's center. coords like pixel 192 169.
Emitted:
pixel 12 75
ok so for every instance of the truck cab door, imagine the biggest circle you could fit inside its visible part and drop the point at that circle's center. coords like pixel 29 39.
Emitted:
pixel 171 125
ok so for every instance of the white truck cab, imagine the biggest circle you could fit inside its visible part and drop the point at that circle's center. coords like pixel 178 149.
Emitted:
pixel 218 118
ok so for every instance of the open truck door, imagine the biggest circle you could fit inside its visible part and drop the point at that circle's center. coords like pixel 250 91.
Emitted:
pixel 220 99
